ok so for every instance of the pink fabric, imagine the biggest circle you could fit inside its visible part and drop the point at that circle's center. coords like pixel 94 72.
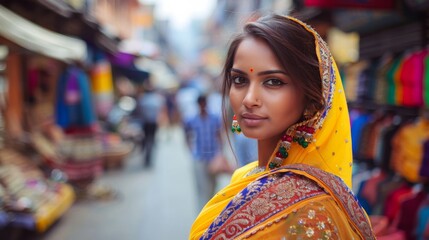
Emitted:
pixel 411 78
pixel 397 235
pixel 394 200
pixel 369 191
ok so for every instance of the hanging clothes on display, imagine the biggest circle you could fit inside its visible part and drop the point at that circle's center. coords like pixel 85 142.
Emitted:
pixel 424 169
pixel 392 81
pixel 407 148
pixel 74 107
pixel 82 147
pixel 384 146
pixel 351 76
pixel 411 78
pixel 357 124
pixel 102 84
pixel 380 79
pixel 409 209
pixel 422 229
pixel 426 81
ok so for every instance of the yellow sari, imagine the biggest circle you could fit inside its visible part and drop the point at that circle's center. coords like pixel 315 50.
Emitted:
pixel 308 196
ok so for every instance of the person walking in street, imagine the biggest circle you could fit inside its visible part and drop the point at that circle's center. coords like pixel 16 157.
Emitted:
pixel 150 106
pixel 285 90
pixel 203 135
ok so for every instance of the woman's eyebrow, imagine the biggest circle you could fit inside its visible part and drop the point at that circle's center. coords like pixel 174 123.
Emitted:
pixel 272 72
pixel 260 73
pixel 238 71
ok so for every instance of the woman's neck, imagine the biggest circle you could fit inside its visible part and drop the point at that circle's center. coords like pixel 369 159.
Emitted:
pixel 265 149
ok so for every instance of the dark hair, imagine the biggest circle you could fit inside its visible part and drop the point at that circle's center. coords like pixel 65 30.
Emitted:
pixel 294 47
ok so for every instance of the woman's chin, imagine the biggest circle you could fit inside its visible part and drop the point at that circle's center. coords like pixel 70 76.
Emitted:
pixel 251 134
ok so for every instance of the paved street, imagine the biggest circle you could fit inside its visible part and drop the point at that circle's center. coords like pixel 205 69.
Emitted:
pixel 153 204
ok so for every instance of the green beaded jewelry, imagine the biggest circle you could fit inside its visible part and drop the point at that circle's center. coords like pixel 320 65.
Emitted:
pixel 235 128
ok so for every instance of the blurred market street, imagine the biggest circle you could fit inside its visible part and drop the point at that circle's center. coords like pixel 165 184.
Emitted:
pixel 82 79
pixel 158 203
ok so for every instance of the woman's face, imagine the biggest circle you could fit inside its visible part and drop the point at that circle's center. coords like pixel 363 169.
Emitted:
pixel 264 98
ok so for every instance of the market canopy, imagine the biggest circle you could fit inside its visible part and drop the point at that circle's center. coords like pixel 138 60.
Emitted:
pixel 35 38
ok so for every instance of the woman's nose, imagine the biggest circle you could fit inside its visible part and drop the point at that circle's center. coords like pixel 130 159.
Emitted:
pixel 252 98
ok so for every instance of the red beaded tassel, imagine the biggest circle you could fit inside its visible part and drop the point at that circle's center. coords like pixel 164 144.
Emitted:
pixel 304 135
pixel 282 152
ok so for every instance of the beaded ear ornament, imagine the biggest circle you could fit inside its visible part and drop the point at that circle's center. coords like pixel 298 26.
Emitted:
pixel 235 128
pixel 302 132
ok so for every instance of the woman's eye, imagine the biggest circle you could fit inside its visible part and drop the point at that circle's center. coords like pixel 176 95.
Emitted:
pixel 274 82
pixel 238 80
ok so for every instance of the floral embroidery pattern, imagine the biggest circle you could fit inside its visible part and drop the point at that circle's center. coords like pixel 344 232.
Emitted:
pixel 259 201
pixel 344 196
pixel 313 222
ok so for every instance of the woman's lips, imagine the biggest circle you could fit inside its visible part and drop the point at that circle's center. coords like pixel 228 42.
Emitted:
pixel 252 120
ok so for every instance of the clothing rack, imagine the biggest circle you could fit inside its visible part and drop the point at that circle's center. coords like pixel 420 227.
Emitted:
pixel 404 111
pixel 394 40
pixel 409 33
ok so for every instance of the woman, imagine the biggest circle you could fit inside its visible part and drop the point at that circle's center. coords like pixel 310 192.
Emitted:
pixel 286 92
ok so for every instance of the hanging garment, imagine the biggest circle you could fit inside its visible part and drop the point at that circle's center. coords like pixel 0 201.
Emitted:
pixel 384 151
pixel 384 188
pixel 408 214
pixel 392 86
pixel 380 79
pixel 394 200
pixel 426 81
pixel 74 104
pixel 356 129
pixel 351 73
pixel 424 169
pixel 102 85
pixel 422 221
pixel 369 191
pixel 407 147
pixel 412 79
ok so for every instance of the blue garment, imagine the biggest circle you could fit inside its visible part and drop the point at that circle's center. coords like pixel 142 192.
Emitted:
pixel 362 200
pixel 81 112
pixel 422 221
pixel 356 130
pixel 205 131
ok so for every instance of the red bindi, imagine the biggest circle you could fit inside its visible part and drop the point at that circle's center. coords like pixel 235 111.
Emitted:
pixel 251 69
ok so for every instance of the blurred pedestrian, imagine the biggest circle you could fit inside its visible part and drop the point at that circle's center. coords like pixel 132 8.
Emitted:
pixel 203 135
pixel 150 105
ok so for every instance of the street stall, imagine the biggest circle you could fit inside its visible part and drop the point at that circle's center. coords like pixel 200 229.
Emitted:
pixel 30 199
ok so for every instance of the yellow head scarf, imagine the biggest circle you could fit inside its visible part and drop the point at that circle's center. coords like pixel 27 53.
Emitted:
pixel 330 149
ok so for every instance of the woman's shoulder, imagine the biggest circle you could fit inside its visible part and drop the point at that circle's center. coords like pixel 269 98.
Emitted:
pixel 290 202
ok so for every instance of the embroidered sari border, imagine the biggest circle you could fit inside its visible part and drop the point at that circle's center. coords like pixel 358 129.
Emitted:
pixel 339 190
pixel 268 196
pixel 263 198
